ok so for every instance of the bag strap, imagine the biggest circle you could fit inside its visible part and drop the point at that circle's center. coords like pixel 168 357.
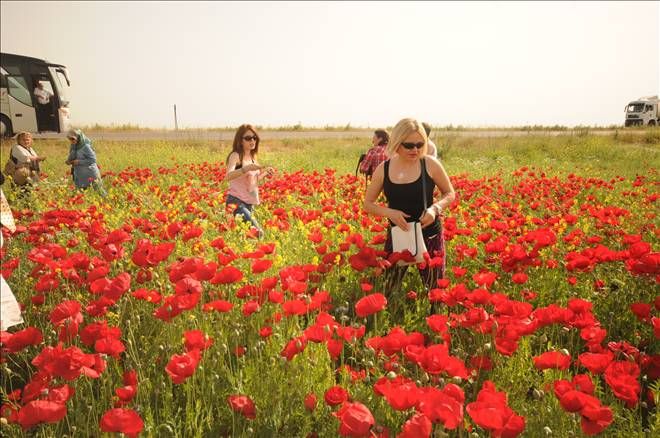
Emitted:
pixel 423 163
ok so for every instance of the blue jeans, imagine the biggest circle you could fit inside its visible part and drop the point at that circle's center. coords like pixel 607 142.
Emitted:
pixel 244 210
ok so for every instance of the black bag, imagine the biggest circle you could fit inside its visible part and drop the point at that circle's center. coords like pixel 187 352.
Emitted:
pixel 360 160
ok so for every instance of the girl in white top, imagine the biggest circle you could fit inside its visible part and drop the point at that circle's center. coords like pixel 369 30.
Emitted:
pixel 23 155
pixel 244 174
pixel 10 311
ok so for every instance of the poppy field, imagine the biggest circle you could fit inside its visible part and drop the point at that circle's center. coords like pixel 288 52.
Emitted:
pixel 151 312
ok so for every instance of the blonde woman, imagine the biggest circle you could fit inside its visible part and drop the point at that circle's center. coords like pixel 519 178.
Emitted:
pixel 24 166
pixel 400 179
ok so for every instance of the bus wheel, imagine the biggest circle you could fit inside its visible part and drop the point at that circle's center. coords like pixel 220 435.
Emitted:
pixel 5 126
pixel 651 122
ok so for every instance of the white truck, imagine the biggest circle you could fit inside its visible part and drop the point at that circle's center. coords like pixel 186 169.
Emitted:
pixel 644 111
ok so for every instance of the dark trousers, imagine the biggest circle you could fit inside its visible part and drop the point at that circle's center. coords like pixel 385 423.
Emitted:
pixel 45 118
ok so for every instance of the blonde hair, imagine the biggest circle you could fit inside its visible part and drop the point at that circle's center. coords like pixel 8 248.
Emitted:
pixel 21 136
pixel 403 129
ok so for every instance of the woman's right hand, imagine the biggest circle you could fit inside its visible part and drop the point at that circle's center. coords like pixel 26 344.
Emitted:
pixel 399 219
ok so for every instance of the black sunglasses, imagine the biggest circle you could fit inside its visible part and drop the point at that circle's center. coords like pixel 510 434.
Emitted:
pixel 413 145
pixel 250 138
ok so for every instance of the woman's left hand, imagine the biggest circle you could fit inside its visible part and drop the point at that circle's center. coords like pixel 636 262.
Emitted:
pixel 268 171
pixel 428 217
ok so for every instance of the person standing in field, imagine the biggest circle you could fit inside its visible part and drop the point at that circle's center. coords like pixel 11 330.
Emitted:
pixel 10 311
pixel 244 174
pixel 44 106
pixel 376 154
pixel 82 160
pixel 433 150
pixel 23 164
pixel 400 178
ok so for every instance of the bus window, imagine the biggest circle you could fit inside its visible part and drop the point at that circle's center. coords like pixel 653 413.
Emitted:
pixel 19 90
pixel 12 69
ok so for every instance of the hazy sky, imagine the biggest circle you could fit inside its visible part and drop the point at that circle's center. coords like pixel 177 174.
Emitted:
pixel 327 63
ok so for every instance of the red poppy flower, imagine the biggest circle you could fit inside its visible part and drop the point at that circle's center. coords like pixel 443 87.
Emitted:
pixel 221 306
pixel 197 340
pixel 442 405
pixel 98 330
pixel 418 426
pixel 519 278
pixel 250 307
pixel 147 295
pixel 182 366
pixel 335 347
pixel 66 310
pixel 596 362
pixel 595 419
pixel 40 411
pixel 14 342
pixel 491 412
pixel 438 323
pixel 642 311
pixel 552 359
pixel 187 285
pixel 370 304
pixel 293 347
pixel 582 382
pixel 227 275
pixel 335 395
pixel 310 402
pixel 243 405
pixel 121 420
pixel 486 278
pixel 401 393
pixel 260 266
pixel 68 363
pixel 622 377
pixel 110 346
pixel 355 420
pixel 294 307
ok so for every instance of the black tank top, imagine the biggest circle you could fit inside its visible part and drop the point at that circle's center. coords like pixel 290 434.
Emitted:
pixel 408 197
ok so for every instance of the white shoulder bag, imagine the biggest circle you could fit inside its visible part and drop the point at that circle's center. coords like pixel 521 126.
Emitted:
pixel 411 240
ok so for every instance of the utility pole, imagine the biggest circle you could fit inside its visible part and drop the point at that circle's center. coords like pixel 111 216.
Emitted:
pixel 176 123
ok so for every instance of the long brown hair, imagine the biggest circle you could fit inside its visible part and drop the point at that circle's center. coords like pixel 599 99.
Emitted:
pixel 238 139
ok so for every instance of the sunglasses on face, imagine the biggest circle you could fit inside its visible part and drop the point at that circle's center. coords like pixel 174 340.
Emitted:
pixel 410 146
pixel 250 138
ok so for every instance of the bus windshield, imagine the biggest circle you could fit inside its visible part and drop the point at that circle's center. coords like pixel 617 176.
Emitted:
pixel 635 107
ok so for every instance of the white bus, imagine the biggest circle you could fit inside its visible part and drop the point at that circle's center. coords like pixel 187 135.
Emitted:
pixel 19 108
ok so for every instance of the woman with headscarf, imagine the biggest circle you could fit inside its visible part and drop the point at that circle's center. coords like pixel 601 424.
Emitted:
pixel 82 159
pixel 10 311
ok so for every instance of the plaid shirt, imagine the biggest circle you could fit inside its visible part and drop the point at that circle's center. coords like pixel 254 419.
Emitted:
pixel 375 156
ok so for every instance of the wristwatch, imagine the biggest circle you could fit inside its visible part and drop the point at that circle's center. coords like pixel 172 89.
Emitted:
pixel 437 209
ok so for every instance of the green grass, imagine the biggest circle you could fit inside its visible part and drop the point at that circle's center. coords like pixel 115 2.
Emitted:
pixel 621 154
